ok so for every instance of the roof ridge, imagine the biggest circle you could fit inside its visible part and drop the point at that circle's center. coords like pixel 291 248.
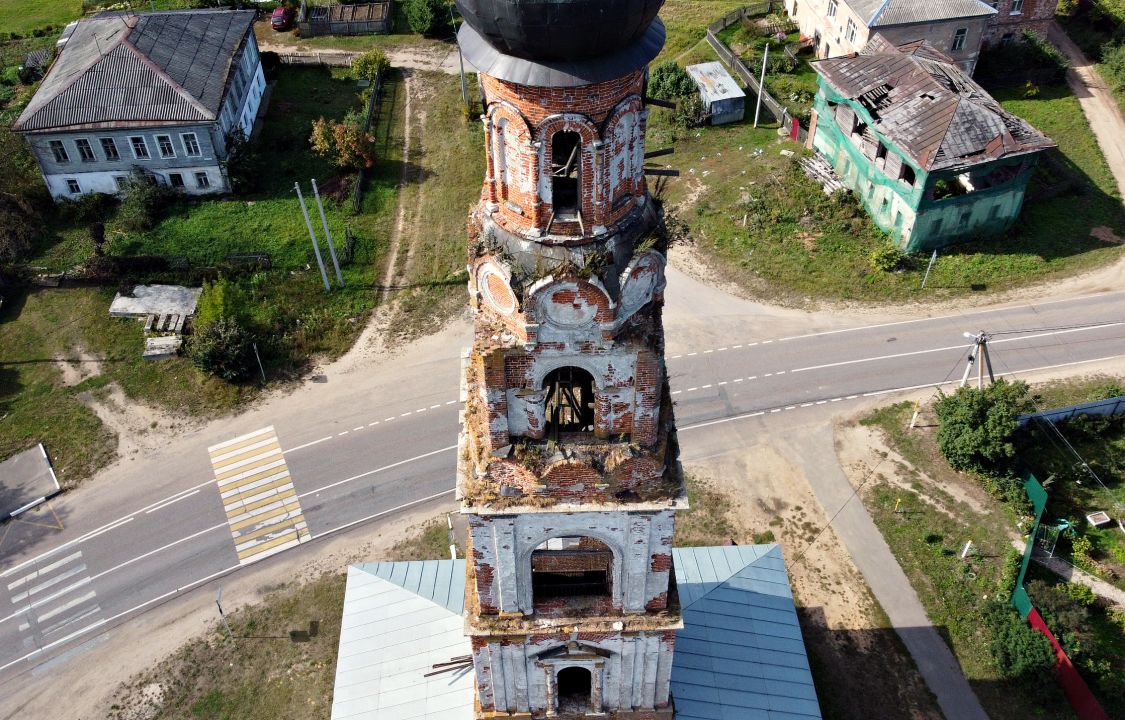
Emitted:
pixel 875 18
pixel 179 89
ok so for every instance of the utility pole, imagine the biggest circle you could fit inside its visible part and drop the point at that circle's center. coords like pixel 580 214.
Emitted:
pixel 312 236
pixel 933 259
pixel 461 60
pixel 222 616
pixel 761 84
pixel 980 356
pixel 328 234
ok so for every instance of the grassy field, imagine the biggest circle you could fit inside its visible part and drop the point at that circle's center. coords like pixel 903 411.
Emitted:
pixel 262 674
pixel 926 536
pixel 23 16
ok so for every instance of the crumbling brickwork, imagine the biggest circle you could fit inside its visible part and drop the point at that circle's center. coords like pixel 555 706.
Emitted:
pixel 1014 17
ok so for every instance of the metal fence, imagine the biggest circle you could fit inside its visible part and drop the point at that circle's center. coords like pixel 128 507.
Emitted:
pixel 735 64
pixel 1109 407
pixel 334 59
pixel 372 113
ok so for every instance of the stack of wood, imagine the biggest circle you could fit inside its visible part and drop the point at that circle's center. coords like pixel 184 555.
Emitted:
pixel 818 169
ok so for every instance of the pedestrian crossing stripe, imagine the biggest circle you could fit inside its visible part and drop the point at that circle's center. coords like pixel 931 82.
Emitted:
pixel 259 499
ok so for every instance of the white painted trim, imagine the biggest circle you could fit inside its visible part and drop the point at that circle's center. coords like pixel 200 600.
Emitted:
pixel 198 147
pixel 160 150
pixel 133 147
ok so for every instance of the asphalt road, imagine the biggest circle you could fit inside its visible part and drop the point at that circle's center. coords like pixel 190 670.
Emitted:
pixel 368 450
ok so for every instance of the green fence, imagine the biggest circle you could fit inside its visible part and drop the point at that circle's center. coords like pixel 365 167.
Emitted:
pixel 1038 497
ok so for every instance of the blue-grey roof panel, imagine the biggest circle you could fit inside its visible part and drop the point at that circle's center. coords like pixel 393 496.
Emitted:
pixel 740 655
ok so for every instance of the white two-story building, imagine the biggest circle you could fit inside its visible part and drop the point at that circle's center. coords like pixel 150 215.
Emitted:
pixel 158 91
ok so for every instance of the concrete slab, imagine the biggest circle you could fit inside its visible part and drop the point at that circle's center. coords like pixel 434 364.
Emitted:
pixel 156 300
pixel 26 480
pixel 161 348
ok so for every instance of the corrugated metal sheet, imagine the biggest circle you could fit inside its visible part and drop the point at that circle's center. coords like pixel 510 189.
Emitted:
pixel 740 653
pixel 714 82
pixel 163 67
pixel 881 13
pixel 929 108
pixel 398 622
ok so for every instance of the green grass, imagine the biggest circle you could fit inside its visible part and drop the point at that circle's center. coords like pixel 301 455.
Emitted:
pixel 23 16
pixel 262 674
pixel 927 543
pixel 686 22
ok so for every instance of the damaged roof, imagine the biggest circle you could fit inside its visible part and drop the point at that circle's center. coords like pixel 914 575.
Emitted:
pixel 125 69
pixel 928 107
pixel 881 13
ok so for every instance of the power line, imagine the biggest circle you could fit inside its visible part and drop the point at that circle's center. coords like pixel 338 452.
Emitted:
pixel 1056 328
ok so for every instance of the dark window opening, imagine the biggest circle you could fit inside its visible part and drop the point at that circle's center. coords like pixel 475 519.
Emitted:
pixel 564 173
pixel 176 180
pixel 574 685
pixel 570 568
pixel 570 401
pixel 907 174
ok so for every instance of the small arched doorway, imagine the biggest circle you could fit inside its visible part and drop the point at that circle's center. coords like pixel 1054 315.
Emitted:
pixel 569 402
pixel 574 686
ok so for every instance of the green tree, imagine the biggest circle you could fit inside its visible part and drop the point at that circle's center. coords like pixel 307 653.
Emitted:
pixel 223 348
pixel 344 143
pixel 20 224
pixel 976 426
pixel 369 65
pixel 427 17
pixel 1020 651
pixel 220 299
pixel 669 81
pixel 145 202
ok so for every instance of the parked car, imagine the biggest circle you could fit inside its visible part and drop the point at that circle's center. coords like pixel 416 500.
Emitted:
pixel 282 18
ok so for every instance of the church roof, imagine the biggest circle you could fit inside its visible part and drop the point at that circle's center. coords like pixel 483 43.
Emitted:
pixel 739 655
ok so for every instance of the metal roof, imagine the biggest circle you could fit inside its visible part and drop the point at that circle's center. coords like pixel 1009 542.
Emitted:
pixel 714 82
pixel 740 653
pixel 399 620
pixel 560 73
pixel 124 69
pixel 929 108
pixel 881 13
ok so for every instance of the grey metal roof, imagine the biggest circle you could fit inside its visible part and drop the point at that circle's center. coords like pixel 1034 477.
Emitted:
pixel 550 73
pixel 714 82
pixel 930 109
pixel 122 69
pixel 881 13
pixel 399 620
pixel 740 653
pixel 739 656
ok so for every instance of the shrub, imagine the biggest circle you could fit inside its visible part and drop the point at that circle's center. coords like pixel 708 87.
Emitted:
pixel 20 224
pixel 976 426
pixel 345 144
pixel 886 257
pixel 145 202
pixel 220 299
pixel 427 17
pixel 10 75
pixel 1020 651
pixel 1113 65
pixel 369 65
pixel 669 81
pixel 223 348
pixel 1009 573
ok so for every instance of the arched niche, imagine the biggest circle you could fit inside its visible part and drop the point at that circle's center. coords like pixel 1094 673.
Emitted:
pixel 575 567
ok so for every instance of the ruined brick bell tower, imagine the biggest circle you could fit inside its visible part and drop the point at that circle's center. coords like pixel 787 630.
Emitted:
pixel 568 467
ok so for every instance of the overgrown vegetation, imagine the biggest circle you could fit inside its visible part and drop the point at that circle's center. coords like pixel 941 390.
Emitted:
pixel 1032 59
pixel 668 81
pixel 1098 28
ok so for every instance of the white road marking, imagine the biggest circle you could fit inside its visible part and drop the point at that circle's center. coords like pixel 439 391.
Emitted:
pixel 36 589
pixel 704 387
pixel 735 347
pixel 173 500
pixel 724 382
pixel 162 548
pixel 356 429
pixel 44 570
pixel 308 444
pixel 342 433
pixel 705 352
pixel 66 606
pixel 373 424
pixel 388 419
pixel 378 470
pixel 94 534
pixel 434 407
pixel 450 402
pixel 240 438
pixel 44 601
pixel 691 354
pixel 676 392
pixel 691 389
pixel 737 380
pixel 234 453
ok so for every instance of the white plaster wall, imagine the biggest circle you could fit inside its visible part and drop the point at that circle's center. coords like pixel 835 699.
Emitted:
pixel 103 181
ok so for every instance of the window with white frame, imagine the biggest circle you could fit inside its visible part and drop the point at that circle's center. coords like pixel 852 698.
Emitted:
pixel 1017 7
pixel 119 182
pixel 109 148
pixel 59 151
pixel 84 150
pixel 164 142
pixel 833 6
pixel 140 147
pixel 72 186
pixel 959 39
pixel 202 181
pixel 850 33
pixel 191 144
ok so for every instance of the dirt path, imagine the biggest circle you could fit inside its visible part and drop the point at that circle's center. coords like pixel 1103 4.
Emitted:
pixel 1098 103
pixel 400 214
pixel 441 59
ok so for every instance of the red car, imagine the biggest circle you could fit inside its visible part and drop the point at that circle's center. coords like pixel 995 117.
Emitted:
pixel 282 18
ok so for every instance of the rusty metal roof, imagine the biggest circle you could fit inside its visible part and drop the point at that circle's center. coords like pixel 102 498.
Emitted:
pixel 928 107
pixel 123 69
pixel 714 82
pixel 881 13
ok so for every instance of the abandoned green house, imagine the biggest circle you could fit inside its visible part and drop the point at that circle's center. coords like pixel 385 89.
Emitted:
pixel 933 157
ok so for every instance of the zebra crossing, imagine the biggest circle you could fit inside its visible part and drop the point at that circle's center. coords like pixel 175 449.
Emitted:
pixel 54 601
pixel 261 505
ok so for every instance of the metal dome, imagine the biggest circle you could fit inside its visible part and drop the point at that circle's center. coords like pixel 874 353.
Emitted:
pixel 566 30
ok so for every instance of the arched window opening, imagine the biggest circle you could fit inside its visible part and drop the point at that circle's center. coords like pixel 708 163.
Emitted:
pixel 571 567
pixel 570 401
pixel 564 174
pixel 501 169
pixel 574 686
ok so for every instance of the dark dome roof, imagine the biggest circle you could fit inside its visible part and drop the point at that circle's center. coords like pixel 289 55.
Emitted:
pixel 565 30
